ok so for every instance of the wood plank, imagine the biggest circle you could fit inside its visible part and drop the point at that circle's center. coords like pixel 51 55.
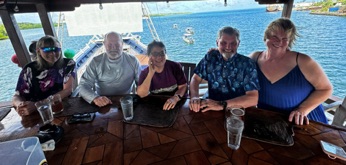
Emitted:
pixel 114 153
pixel 185 146
pixel 76 150
pixel 209 143
pixel 93 154
pixel 196 158
pixel 149 138
pixel 116 128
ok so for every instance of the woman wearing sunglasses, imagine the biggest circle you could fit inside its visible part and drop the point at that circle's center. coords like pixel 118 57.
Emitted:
pixel 50 74
pixel 162 76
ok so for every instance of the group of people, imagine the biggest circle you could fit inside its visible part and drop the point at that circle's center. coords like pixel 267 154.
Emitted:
pixel 276 79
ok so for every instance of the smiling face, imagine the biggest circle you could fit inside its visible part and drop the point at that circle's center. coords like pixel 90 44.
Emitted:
pixel 51 53
pixel 158 56
pixel 227 45
pixel 278 41
pixel 114 45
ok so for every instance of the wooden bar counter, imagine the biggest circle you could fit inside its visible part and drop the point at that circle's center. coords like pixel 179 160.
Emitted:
pixel 194 138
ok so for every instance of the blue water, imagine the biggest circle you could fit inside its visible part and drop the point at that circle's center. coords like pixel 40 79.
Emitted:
pixel 322 37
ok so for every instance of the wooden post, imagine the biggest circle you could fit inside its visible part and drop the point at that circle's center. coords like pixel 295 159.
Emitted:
pixel 287 10
pixel 15 36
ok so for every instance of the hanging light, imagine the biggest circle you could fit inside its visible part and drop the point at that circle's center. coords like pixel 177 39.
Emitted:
pixel 16 8
pixel 100 6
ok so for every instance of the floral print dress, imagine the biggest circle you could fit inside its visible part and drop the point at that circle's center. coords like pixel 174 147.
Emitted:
pixel 34 85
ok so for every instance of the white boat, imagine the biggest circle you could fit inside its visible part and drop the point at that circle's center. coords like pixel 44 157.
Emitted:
pixel 188 38
pixel 93 25
pixel 190 30
pixel 175 26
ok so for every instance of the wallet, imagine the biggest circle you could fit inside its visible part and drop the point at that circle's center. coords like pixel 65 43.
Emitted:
pixel 81 117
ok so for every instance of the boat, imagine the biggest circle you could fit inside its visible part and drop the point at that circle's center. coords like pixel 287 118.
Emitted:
pixel 189 30
pixel 90 13
pixel 273 8
pixel 175 26
pixel 188 38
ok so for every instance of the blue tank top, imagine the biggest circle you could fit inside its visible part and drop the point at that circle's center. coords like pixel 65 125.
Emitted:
pixel 287 94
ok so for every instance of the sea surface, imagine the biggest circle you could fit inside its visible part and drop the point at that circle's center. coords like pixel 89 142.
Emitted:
pixel 321 37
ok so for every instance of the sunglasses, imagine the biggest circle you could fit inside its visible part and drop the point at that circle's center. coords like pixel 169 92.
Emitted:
pixel 50 49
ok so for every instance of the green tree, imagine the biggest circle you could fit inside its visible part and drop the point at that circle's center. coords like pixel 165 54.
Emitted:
pixel 3 33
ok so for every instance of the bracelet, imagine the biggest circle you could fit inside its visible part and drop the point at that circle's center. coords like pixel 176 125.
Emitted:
pixel 178 96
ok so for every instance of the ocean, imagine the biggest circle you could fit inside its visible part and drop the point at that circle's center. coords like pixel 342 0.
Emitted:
pixel 321 37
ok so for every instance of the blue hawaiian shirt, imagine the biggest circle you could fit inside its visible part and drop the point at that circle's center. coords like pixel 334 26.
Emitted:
pixel 227 79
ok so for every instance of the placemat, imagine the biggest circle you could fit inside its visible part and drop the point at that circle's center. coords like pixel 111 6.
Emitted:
pixel 148 111
pixel 4 111
pixel 268 127
pixel 74 105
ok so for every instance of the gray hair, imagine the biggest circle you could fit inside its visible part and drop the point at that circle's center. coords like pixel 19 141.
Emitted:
pixel 229 31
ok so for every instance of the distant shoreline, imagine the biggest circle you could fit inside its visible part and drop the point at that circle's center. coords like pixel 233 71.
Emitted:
pixel 328 13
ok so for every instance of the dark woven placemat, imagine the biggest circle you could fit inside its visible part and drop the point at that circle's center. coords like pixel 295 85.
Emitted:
pixel 148 111
pixel 268 127
pixel 4 111
pixel 74 105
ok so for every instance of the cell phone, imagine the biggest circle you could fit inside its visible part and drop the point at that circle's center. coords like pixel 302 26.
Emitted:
pixel 81 117
pixel 333 151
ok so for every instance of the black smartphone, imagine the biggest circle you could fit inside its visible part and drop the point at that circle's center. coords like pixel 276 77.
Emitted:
pixel 81 117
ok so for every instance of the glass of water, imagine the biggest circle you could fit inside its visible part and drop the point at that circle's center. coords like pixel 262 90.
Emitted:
pixel 235 127
pixel 44 107
pixel 127 107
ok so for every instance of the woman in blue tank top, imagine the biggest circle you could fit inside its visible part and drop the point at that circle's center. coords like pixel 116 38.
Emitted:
pixel 291 82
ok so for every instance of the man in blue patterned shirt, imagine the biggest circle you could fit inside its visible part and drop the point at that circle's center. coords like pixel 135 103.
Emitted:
pixel 232 77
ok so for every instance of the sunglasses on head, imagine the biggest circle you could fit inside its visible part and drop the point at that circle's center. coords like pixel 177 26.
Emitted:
pixel 50 49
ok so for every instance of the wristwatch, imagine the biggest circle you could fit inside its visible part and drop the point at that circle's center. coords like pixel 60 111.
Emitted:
pixel 224 104
pixel 178 96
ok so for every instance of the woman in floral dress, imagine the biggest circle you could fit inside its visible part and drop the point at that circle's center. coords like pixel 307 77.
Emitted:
pixel 50 74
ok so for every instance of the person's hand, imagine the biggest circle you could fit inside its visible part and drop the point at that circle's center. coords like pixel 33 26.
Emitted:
pixel 25 108
pixel 101 101
pixel 152 67
pixel 209 104
pixel 170 103
pixel 195 104
pixel 298 118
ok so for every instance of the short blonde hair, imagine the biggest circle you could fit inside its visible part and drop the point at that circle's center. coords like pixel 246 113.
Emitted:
pixel 287 26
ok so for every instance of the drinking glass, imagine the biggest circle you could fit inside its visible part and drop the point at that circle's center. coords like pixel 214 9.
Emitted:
pixel 234 110
pixel 44 107
pixel 127 107
pixel 56 102
pixel 235 128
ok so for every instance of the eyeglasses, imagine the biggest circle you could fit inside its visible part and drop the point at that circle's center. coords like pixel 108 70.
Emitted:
pixel 50 49
pixel 156 54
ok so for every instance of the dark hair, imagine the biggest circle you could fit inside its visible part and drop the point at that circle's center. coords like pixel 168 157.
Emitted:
pixel 153 44
pixel 230 31
pixel 32 47
pixel 286 25
pixel 43 42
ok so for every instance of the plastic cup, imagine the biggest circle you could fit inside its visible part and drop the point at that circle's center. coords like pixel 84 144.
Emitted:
pixel 127 107
pixel 57 106
pixel 235 127
pixel 45 109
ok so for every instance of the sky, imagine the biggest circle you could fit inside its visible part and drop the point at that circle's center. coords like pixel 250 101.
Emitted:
pixel 175 7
